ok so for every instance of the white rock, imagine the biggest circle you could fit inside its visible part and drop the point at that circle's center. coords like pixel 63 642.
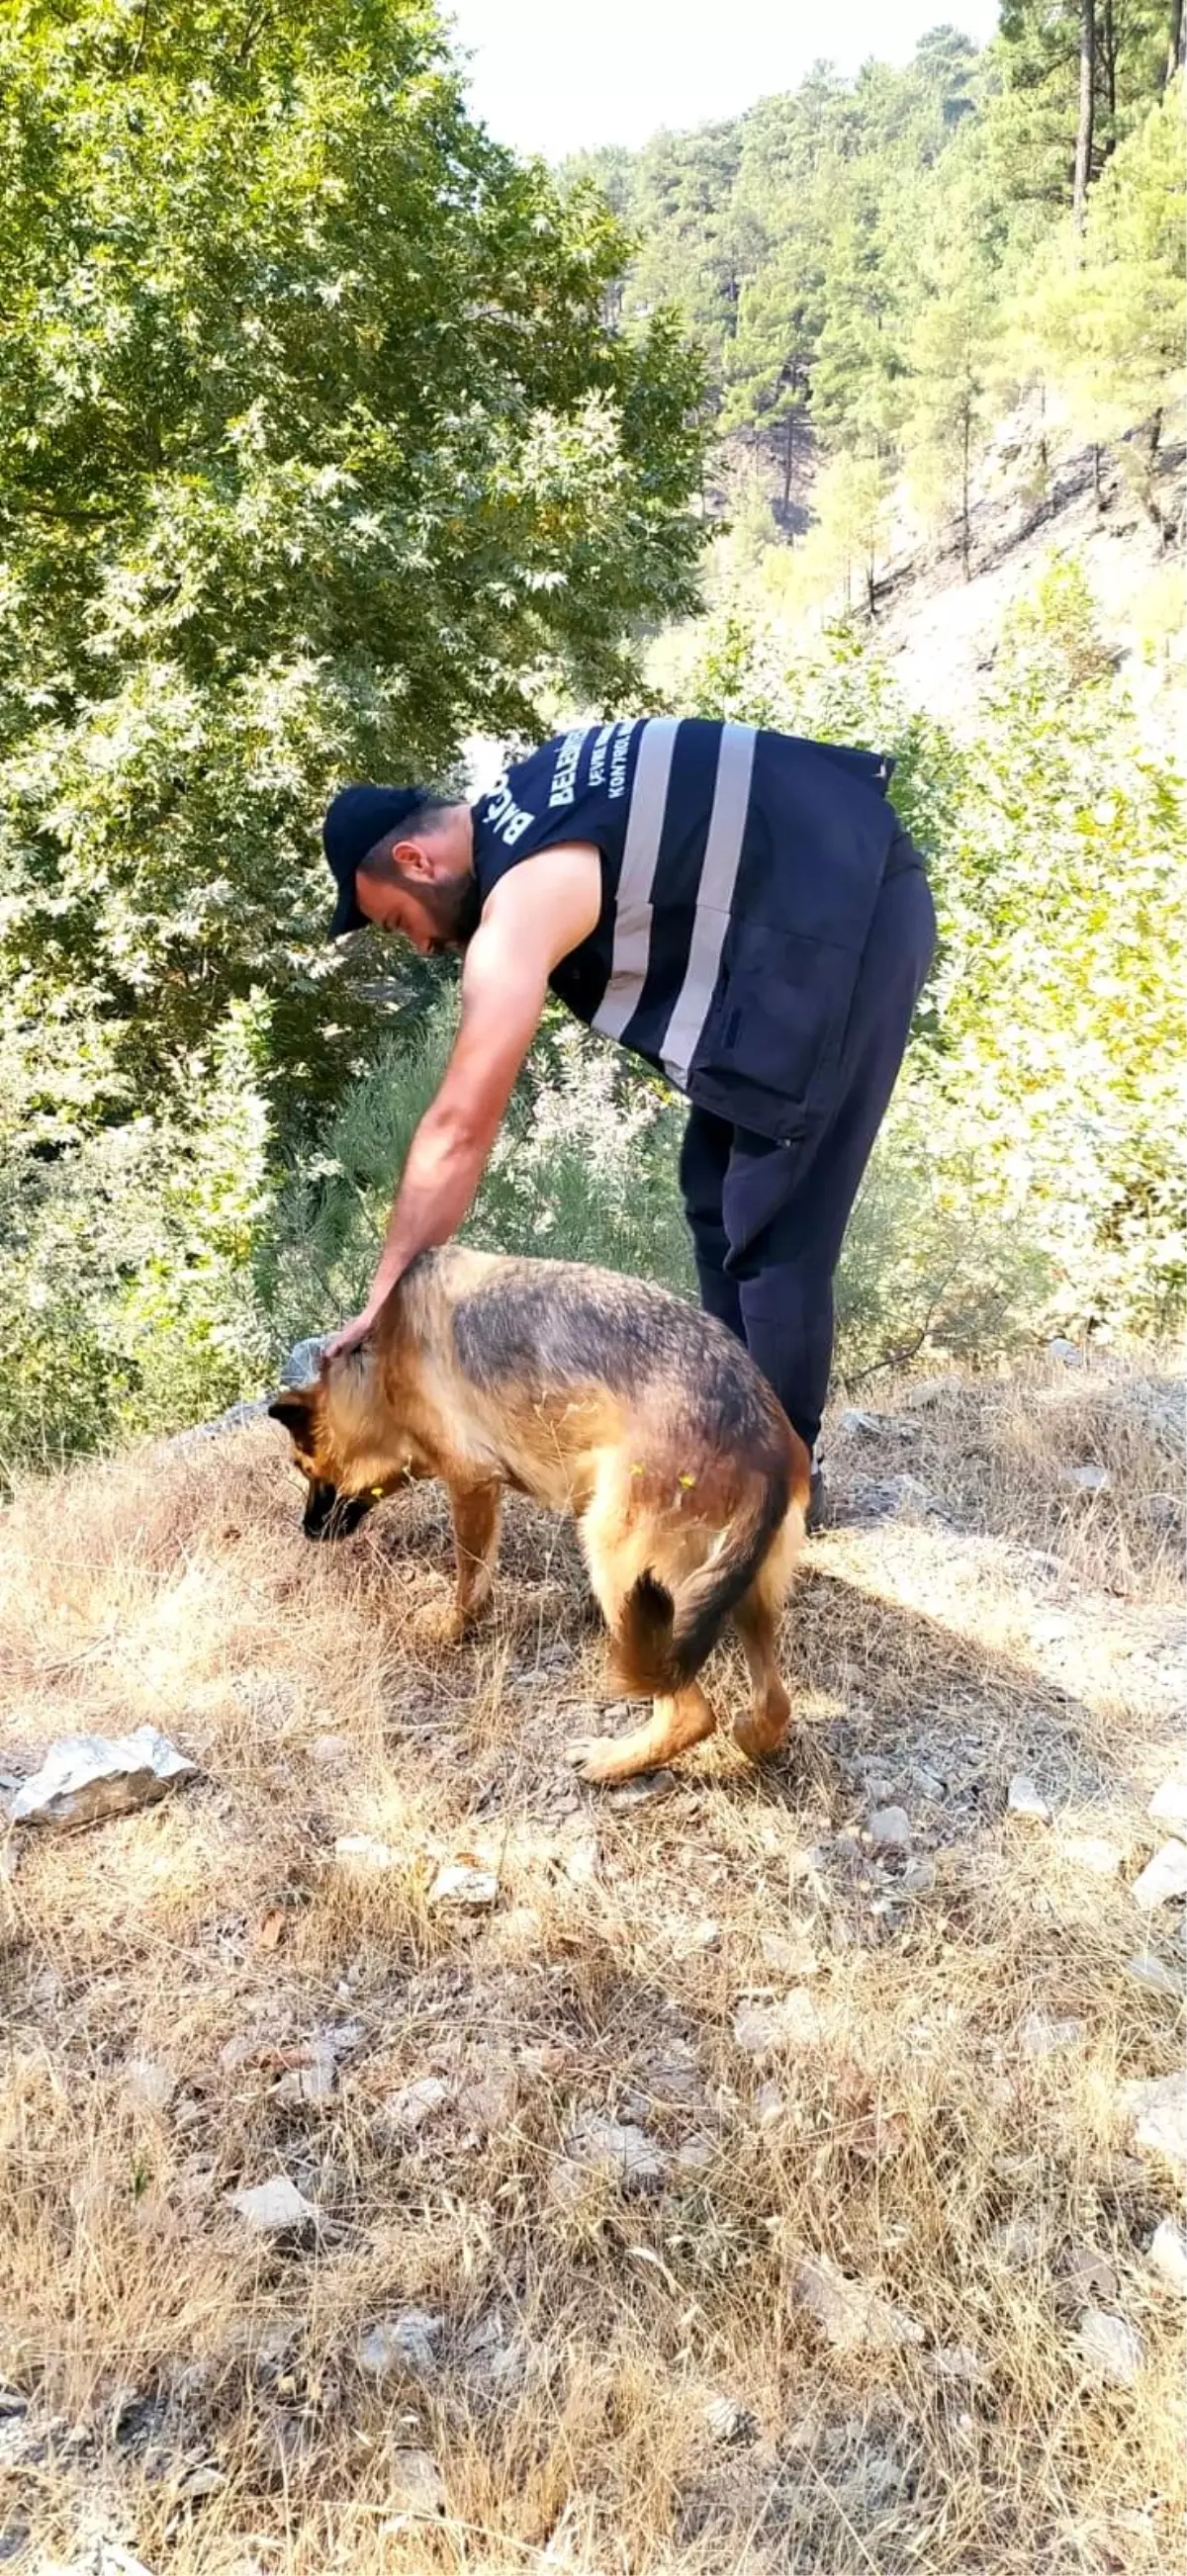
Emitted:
pixel 1167 2251
pixel 1091 1479
pixel 890 1828
pixel 617 2148
pixel 205 2480
pixel 1022 1799
pixel 1069 1352
pixel 1168 1806
pixel 1110 2346
pixel 794 2021
pixel 1017 2243
pixel 769 2104
pixel 148 2083
pixel 1158 2109
pixel 1092 1852
pixel 1154 1973
pixel 695 2156
pixel 918 1879
pixel 415 2487
pixel 271 2208
pixel 1039 2035
pixel 407 2342
pixel 1088 2275
pixel 1164 1878
pixel 860 1425
pixel 413 2104
pixel 851 2316
pixel 459 1884
pixel 85 1778
pixel 364 1854
pixel 330 1752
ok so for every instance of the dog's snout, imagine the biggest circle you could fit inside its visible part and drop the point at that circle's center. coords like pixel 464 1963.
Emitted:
pixel 329 1514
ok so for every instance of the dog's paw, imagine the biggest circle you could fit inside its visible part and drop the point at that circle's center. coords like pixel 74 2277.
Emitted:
pixel 595 1757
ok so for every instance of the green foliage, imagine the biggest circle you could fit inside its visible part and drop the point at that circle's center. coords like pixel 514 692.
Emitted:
pixel 315 455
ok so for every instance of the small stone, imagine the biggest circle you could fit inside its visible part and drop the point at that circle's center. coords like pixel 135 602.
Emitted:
pixel 1022 1799
pixel 1016 2243
pixel 928 1783
pixel 851 2316
pixel 315 2081
pixel 1039 2035
pixel 795 2021
pixel 407 2342
pixel 769 2104
pixel 364 1854
pixel 639 1792
pixel 1167 2251
pixel 415 2486
pixel 727 2421
pixel 1092 1852
pixel 86 1778
pixel 413 2104
pixel 695 2156
pixel 1158 2109
pixel 1091 1479
pixel 202 2481
pixel 274 2207
pixel 956 2361
pixel 790 1954
pixel 1110 2346
pixel 461 1884
pixel 1153 1973
pixel 1089 2275
pixel 1069 1352
pixel 890 1828
pixel 1168 1806
pixel 488 2101
pixel 330 1752
pixel 148 2083
pixel 618 2149
pixel 1164 1878
pixel 918 1879
pixel 859 1425
pixel 580 1860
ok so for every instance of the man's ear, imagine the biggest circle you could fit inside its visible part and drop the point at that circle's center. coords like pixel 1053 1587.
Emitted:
pixel 294 1410
pixel 412 861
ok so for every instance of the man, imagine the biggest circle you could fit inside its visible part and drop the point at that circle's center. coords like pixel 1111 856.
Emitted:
pixel 742 910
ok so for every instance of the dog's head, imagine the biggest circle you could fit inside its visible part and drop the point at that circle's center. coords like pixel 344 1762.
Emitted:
pixel 334 1444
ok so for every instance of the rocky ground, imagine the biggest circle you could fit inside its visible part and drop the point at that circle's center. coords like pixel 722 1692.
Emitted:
pixel 412 2161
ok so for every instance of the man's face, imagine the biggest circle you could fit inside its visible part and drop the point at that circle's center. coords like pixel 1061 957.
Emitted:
pixel 432 898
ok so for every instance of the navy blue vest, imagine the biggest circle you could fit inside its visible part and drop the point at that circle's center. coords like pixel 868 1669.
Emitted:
pixel 739 875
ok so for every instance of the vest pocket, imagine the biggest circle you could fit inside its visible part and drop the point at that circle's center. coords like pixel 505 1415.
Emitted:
pixel 770 1043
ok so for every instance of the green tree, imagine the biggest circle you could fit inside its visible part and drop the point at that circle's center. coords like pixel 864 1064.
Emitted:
pixel 951 358
pixel 315 454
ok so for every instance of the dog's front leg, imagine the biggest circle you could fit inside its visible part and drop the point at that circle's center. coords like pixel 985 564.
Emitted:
pixel 476 1510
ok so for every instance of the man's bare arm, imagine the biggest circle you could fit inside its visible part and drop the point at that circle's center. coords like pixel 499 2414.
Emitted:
pixel 537 914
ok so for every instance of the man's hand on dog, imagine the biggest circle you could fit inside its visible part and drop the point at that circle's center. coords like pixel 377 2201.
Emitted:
pixel 349 1335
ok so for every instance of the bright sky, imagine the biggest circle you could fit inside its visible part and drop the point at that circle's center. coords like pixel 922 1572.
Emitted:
pixel 552 79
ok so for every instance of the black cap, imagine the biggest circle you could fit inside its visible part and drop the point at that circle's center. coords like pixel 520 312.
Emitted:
pixel 357 819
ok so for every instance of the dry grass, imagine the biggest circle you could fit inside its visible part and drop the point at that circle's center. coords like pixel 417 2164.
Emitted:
pixel 902 2133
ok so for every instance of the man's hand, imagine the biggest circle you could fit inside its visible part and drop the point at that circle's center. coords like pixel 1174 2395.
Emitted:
pixel 348 1336
pixel 535 916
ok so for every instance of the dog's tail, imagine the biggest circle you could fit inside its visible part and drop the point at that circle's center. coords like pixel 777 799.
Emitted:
pixel 663 1637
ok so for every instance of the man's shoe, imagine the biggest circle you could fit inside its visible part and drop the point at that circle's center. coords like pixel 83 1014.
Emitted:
pixel 816 1516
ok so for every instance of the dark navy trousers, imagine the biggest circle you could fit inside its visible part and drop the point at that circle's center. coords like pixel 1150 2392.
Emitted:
pixel 768 1220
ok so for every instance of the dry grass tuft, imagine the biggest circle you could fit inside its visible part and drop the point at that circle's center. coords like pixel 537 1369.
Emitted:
pixel 196 2393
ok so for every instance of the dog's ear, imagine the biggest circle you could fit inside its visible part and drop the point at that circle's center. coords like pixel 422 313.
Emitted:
pixel 295 1411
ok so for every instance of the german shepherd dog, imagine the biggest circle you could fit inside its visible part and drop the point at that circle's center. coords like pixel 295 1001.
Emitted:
pixel 598 1395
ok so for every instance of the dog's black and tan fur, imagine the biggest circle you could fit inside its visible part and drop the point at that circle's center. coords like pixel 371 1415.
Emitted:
pixel 598 1395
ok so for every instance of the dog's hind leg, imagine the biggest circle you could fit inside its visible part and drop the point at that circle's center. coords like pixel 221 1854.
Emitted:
pixel 673 1725
pixel 764 1727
